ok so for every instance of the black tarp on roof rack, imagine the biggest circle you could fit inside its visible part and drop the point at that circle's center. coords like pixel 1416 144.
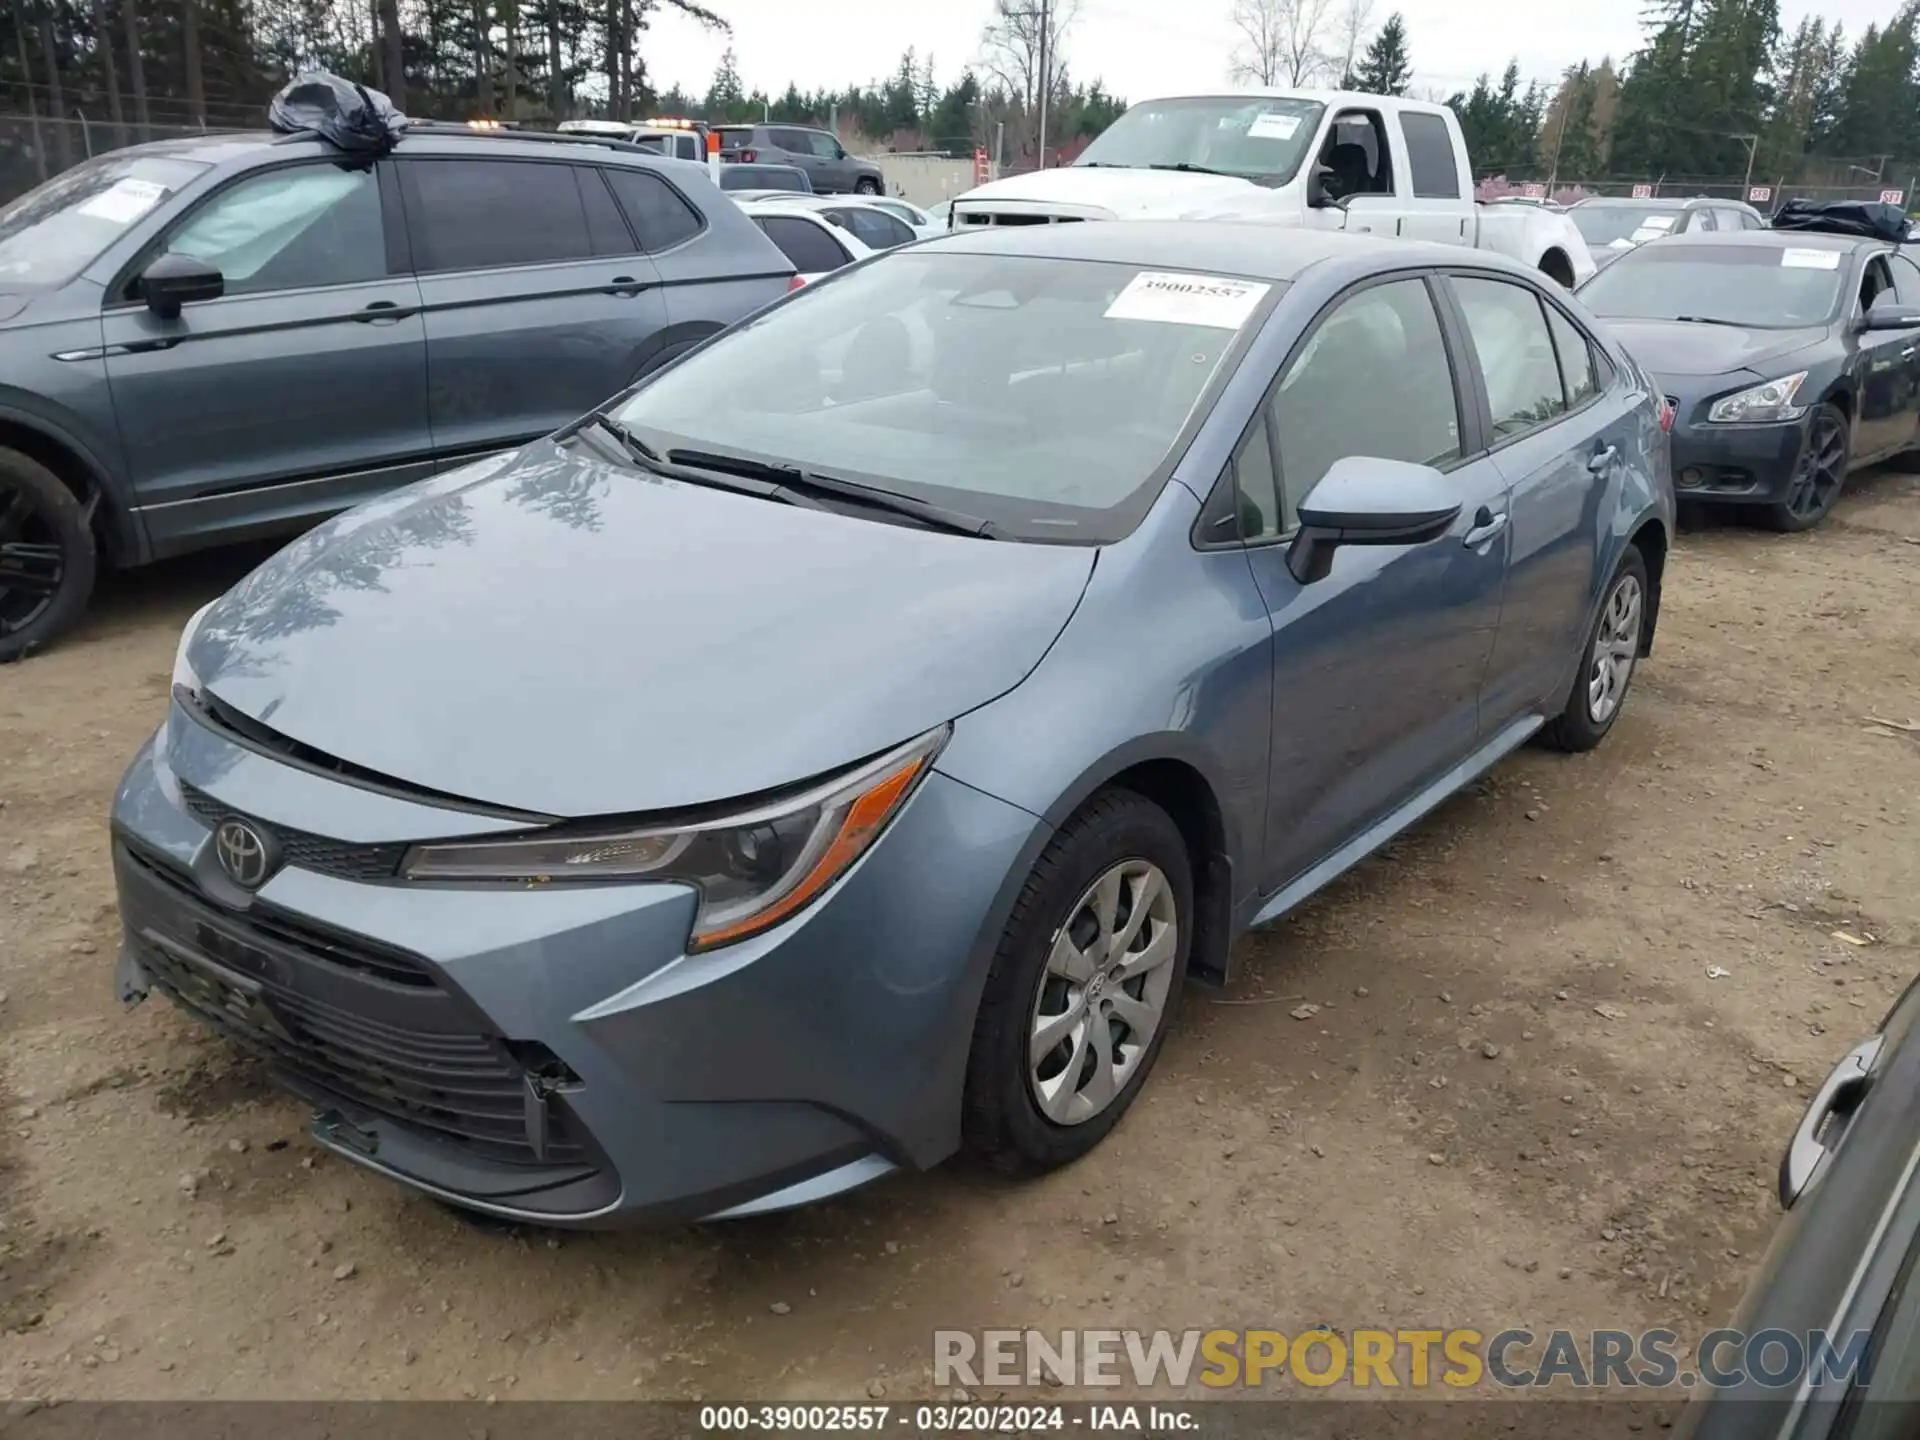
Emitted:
pixel 1865 218
pixel 348 115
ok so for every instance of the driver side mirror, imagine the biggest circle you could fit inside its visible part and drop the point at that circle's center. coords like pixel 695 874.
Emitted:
pixel 1364 501
pixel 173 280
pixel 1318 196
pixel 1887 313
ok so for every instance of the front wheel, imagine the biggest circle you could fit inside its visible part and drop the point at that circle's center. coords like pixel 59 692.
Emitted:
pixel 1607 664
pixel 866 185
pixel 1082 989
pixel 1817 478
pixel 47 556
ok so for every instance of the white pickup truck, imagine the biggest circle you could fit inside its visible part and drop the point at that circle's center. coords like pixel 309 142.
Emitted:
pixel 1329 159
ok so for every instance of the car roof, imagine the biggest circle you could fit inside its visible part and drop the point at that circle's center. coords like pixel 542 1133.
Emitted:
pixel 1770 240
pixel 1229 247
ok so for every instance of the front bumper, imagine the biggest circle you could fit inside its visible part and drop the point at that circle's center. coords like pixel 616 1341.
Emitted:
pixel 1734 464
pixel 553 1054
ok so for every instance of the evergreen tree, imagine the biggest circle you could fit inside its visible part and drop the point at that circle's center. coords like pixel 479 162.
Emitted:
pixel 1386 68
pixel 1880 97
pixel 726 96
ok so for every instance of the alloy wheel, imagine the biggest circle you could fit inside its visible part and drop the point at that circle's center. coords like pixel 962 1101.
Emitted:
pixel 31 565
pixel 1104 992
pixel 1616 645
pixel 1822 468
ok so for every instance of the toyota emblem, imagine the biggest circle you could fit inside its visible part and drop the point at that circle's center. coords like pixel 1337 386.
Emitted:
pixel 245 854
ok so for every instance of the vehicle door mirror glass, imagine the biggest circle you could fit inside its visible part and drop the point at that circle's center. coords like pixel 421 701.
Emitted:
pixel 1364 500
pixel 175 280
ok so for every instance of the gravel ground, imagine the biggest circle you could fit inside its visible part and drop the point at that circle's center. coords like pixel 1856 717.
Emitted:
pixel 1563 1030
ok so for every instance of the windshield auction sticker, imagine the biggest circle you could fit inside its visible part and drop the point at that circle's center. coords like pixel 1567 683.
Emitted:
pixel 1174 299
pixel 1795 259
pixel 1272 126
pixel 125 202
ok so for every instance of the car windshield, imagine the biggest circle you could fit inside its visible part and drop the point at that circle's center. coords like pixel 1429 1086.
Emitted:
pixel 50 234
pixel 1041 394
pixel 1261 138
pixel 1778 287
pixel 1603 225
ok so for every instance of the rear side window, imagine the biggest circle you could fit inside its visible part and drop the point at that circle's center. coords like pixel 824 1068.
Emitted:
pixel 481 214
pixel 1516 354
pixel 1430 156
pixel 1577 369
pixel 808 246
pixel 660 216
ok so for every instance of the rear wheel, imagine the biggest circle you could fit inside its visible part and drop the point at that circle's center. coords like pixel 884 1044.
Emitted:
pixel 1819 476
pixel 47 556
pixel 1083 988
pixel 866 185
pixel 1607 663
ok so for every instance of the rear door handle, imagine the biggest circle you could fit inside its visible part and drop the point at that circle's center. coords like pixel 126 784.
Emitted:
pixel 383 312
pixel 1809 1147
pixel 1486 526
pixel 623 285
pixel 1602 459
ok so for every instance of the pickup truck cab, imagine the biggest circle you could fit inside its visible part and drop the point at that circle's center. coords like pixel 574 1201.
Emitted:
pixel 1321 159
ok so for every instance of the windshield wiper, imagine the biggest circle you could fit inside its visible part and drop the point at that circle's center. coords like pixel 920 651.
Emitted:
pixel 1190 169
pixel 644 456
pixel 815 483
pixel 636 449
pixel 1709 320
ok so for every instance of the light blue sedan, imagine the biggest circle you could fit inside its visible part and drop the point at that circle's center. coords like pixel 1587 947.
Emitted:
pixel 841 749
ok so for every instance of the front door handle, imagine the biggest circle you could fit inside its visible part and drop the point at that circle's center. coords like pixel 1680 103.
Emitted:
pixel 1907 354
pixel 1486 526
pixel 1602 459
pixel 1809 1146
pixel 382 312
pixel 624 285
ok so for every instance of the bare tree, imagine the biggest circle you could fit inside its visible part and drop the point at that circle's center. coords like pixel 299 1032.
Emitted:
pixel 1283 42
pixel 1352 29
pixel 1015 47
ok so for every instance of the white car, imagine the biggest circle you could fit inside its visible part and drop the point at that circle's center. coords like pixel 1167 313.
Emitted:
pixel 813 243
pixel 877 224
pixel 1318 159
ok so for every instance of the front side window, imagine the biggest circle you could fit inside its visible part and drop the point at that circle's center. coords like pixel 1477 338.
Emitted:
pixel 288 229
pixel 1373 380
pixel 53 232
pixel 1906 280
pixel 1043 394
pixel 483 214
pixel 1259 138
pixel 822 144
pixel 1510 338
pixel 1757 286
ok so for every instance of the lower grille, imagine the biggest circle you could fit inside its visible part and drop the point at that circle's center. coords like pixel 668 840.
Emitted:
pixel 441 1074
pixel 976 217
pixel 340 858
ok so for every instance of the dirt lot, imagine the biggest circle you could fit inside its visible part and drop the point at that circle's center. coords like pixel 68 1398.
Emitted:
pixel 1564 1030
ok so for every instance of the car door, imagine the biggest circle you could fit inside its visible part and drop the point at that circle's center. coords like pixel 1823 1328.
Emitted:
pixel 1561 442
pixel 538 303
pixel 705 278
pixel 1886 422
pixel 1434 199
pixel 796 149
pixel 836 171
pixel 1377 666
pixel 1906 286
pixel 299 390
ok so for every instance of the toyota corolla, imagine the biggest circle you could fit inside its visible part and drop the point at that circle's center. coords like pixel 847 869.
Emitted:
pixel 838 750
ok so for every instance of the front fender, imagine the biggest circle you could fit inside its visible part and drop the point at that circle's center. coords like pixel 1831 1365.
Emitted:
pixel 96 457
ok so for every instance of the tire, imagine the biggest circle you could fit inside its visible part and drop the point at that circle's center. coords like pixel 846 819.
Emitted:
pixel 866 185
pixel 1818 478
pixel 1119 837
pixel 1584 721
pixel 47 552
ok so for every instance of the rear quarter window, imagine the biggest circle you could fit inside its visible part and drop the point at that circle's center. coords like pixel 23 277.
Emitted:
pixel 810 248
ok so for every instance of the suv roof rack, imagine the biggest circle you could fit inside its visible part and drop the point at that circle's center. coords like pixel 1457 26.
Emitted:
pixel 545 137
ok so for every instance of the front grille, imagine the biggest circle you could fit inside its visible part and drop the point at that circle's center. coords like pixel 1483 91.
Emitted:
pixel 339 858
pixel 978 217
pixel 423 1063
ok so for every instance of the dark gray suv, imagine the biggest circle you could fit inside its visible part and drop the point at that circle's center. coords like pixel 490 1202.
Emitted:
pixel 825 160
pixel 231 336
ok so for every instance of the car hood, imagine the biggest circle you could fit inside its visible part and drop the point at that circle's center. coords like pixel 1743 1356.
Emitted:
pixel 1673 347
pixel 550 633
pixel 1122 194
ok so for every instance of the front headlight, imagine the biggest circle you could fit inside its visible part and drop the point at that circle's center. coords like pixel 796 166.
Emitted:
pixel 753 869
pixel 1770 401
pixel 183 676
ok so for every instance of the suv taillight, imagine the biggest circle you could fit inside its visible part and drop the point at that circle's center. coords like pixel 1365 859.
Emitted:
pixel 1666 414
pixel 747 157
pixel 794 282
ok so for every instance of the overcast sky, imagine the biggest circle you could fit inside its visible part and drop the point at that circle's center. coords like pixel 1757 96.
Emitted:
pixel 1141 48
